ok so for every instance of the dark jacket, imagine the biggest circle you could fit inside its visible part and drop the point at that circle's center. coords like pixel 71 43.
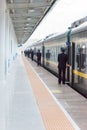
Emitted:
pixel 38 55
pixel 62 59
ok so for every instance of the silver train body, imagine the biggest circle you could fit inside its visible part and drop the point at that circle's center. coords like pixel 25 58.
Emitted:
pixel 76 73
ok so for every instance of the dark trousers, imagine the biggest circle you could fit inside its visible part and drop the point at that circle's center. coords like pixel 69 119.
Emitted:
pixel 38 62
pixel 61 76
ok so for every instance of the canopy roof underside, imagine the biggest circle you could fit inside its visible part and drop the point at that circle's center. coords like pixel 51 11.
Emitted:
pixel 26 16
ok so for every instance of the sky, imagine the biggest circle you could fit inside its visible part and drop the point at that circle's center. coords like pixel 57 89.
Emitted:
pixel 60 17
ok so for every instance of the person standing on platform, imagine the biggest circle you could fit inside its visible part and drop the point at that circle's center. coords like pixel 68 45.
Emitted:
pixel 32 54
pixel 38 58
pixel 47 57
pixel 62 60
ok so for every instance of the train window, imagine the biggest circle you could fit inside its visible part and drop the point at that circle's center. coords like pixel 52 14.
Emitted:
pixel 80 63
pixel 53 53
pixel 81 57
pixel 48 54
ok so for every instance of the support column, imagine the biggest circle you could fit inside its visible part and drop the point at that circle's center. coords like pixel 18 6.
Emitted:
pixel 2 39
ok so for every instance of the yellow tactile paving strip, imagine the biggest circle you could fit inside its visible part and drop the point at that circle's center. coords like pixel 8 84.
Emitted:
pixel 53 117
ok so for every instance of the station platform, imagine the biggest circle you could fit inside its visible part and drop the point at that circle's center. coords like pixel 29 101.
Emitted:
pixel 37 102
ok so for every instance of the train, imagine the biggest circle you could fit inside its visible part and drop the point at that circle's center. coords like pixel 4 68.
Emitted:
pixel 74 41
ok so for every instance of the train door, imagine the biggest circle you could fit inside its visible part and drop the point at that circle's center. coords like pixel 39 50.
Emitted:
pixel 73 62
pixel 43 52
pixel 68 69
pixel 79 64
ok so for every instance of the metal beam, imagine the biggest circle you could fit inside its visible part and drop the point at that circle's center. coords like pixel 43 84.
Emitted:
pixel 22 31
pixel 25 21
pixel 24 26
pixel 28 5
pixel 26 15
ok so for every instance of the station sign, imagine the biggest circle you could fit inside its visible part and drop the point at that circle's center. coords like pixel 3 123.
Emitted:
pixel 68 43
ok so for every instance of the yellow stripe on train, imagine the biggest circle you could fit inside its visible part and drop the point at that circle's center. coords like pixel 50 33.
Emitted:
pixel 51 62
pixel 80 74
pixel 54 63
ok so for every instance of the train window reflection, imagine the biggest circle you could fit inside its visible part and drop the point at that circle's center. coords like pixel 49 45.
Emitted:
pixel 81 58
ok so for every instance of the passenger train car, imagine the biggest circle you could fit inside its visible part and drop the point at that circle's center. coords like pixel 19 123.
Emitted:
pixel 75 43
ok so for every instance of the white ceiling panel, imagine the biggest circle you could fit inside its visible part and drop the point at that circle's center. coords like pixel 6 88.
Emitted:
pixel 26 16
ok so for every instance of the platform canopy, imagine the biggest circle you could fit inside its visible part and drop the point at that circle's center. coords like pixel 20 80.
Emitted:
pixel 26 16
